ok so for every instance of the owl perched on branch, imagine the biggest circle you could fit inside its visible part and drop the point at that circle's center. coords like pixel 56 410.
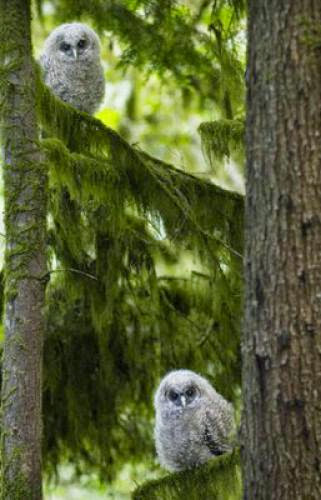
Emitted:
pixel 193 421
pixel 72 66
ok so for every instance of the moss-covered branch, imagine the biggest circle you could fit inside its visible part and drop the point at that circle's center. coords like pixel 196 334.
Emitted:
pixel 219 479
pixel 101 163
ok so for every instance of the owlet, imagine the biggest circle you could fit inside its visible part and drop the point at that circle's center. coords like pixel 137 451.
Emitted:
pixel 72 67
pixel 193 421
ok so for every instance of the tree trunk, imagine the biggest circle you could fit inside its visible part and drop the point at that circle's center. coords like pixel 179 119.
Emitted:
pixel 281 429
pixel 25 262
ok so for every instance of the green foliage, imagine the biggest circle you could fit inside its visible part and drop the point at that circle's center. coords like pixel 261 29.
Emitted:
pixel 219 479
pixel 117 214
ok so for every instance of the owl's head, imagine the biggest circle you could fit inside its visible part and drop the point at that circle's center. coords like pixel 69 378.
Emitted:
pixel 70 43
pixel 180 391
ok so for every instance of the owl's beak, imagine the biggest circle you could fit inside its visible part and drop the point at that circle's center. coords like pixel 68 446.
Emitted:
pixel 183 401
pixel 75 53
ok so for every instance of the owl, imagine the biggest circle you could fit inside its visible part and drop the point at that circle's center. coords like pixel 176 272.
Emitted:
pixel 72 67
pixel 193 421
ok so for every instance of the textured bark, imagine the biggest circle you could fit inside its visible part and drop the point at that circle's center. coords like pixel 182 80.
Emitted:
pixel 281 429
pixel 25 263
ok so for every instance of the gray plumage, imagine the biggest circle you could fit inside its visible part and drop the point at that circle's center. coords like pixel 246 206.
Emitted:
pixel 72 67
pixel 193 421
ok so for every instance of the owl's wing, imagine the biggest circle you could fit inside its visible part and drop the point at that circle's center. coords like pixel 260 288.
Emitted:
pixel 210 442
pixel 217 429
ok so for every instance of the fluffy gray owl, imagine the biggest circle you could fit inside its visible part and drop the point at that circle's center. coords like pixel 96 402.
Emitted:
pixel 72 68
pixel 193 421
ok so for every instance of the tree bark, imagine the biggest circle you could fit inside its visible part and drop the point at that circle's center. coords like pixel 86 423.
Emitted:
pixel 281 427
pixel 25 259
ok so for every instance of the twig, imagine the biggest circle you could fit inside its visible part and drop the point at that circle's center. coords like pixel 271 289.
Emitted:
pixel 72 270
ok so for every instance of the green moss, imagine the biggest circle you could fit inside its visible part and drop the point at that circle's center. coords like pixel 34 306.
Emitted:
pixel 219 479
pixel 19 489
pixel 310 33
pixel 221 138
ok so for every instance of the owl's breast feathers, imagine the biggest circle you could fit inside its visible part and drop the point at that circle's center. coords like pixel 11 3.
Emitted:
pixel 81 85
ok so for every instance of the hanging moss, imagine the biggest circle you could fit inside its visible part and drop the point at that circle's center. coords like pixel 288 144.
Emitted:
pixel 221 138
pixel 219 479
pixel 114 325
pixel 151 184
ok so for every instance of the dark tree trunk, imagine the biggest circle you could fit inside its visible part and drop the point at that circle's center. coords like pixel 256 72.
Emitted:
pixel 25 263
pixel 281 429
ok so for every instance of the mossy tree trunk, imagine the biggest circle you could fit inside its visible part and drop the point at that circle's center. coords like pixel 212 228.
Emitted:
pixel 25 263
pixel 281 430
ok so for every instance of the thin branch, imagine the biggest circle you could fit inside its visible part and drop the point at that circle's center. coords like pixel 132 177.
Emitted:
pixel 172 278
pixel 72 270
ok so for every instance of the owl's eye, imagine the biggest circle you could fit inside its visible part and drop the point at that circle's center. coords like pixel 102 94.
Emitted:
pixel 190 392
pixel 65 47
pixel 173 395
pixel 81 44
